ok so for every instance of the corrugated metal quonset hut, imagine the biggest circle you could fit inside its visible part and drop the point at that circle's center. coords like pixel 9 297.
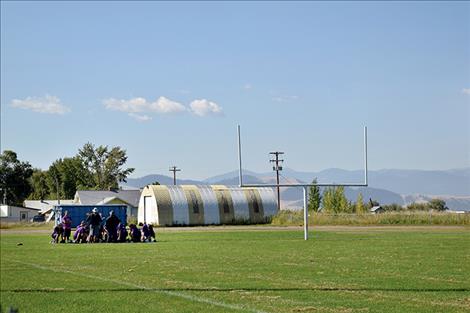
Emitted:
pixel 205 205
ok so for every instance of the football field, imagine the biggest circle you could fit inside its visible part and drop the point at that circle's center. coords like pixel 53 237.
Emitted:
pixel 243 269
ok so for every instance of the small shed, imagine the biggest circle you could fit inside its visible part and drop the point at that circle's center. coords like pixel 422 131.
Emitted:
pixel 12 214
pixel 79 213
pixel 205 205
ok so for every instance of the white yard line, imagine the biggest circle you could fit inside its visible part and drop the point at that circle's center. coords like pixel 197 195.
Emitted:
pixel 167 292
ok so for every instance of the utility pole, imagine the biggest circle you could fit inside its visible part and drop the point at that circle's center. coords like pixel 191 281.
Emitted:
pixel 57 187
pixel 4 191
pixel 174 169
pixel 277 168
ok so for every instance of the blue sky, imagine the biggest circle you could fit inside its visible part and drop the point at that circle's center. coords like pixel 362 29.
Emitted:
pixel 169 82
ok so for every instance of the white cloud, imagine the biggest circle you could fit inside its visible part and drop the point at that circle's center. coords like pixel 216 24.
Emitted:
pixel 164 105
pixel 248 87
pixel 136 105
pixel 48 104
pixel 131 105
pixel 285 98
pixel 140 117
pixel 205 107
pixel 466 91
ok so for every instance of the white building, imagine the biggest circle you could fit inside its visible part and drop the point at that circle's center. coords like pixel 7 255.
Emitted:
pixel 44 206
pixel 11 214
pixel 130 198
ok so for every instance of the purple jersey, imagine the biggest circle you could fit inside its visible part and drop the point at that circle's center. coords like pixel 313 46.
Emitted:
pixel 78 232
pixel 67 222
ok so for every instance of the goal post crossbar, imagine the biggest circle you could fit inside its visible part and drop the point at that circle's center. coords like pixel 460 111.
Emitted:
pixel 240 171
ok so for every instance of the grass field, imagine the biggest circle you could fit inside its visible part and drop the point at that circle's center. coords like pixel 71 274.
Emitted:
pixel 341 269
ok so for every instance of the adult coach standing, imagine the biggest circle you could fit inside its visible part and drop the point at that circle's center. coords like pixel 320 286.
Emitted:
pixel 94 220
pixel 111 226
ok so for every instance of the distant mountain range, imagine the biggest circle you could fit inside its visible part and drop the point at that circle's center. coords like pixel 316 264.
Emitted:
pixel 386 186
pixel 162 179
pixel 454 182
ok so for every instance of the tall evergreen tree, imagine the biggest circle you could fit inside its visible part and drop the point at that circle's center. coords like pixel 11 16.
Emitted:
pixel 314 197
pixel 360 207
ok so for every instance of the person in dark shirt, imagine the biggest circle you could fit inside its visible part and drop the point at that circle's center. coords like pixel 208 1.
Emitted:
pixel 94 220
pixel 121 233
pixel 57 233
pixel 152 234
pixel 145 232
pixel 111 226
pixel 135 233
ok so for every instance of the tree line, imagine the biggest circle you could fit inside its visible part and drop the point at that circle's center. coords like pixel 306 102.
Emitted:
pixel 332 200
pixel 95 168
pixel 102 168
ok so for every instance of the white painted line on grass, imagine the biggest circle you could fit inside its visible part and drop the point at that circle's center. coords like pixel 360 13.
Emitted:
pixel 167 292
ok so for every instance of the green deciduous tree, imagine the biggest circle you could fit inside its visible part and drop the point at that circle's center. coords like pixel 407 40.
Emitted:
pixel 92 168
pixel 69 175
pixel 40 188
pixel 314 197
pixel 437 205
pixel 104 165
pixel 334 200
pixel 14 178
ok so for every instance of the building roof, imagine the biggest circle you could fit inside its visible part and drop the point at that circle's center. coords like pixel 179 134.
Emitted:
pixel 4 209
pixel 43 205
pixel 18 207
pixel 112 200
pixel 91 197
pixel 376 208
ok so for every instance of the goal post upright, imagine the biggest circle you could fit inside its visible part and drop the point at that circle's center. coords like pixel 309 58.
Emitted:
pixel 305 212
pixel 240 176
pixel 365 157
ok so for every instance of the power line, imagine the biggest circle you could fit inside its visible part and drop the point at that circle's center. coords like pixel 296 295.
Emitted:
pixel 287 179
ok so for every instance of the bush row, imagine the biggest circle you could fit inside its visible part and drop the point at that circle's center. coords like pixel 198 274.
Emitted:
pixel 290 218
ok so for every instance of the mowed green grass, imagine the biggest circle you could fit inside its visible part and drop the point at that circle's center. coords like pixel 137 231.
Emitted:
pixel 338 270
